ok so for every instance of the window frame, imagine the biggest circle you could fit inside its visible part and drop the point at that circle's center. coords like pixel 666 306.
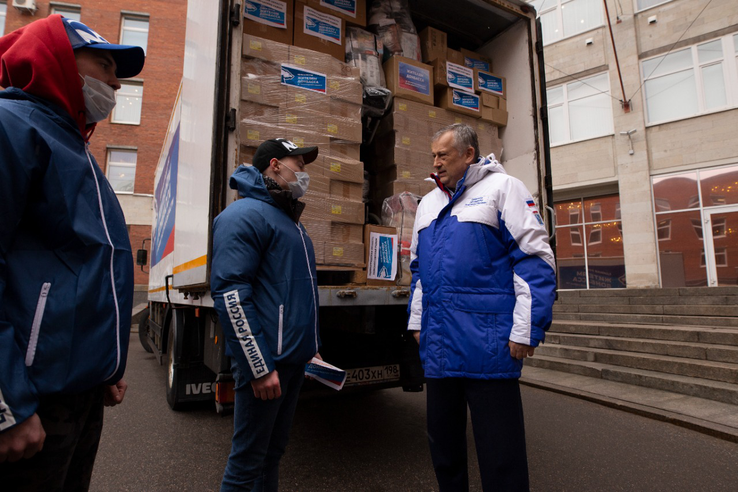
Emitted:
pixel 136 17
pixel 129 82
pixel 637 9
pixel 564 104
pixel 729 64
pixel 62 8
pixel 557 6
pixel 132 150
pixel 4 15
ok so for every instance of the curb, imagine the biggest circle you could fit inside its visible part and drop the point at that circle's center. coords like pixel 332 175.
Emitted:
pixel 705 427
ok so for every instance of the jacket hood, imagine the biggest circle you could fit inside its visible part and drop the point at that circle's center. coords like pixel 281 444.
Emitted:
pixel 38 59
pixel 250 183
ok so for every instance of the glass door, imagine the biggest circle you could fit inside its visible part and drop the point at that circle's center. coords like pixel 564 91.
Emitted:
pixel 721 245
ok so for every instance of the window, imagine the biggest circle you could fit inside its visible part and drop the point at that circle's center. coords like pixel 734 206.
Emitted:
pixel 580 110
pixel 128 99
pixel 664 230
pixel 3 13
pixel 563 18
pixel 68 11
pixel 645 4
pixel 690 81
pixel 598 262
pixel 135 31
pixel 122 169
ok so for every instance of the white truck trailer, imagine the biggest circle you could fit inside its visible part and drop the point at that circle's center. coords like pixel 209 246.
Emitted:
pixel 362 327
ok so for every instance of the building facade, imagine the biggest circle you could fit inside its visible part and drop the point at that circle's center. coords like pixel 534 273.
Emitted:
pixel 644 149
pixel 128 143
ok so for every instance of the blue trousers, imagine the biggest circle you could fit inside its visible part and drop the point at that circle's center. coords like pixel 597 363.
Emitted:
pixel 499 433
pixel 261 431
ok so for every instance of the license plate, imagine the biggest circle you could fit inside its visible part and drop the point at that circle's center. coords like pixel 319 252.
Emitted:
pixel 371 375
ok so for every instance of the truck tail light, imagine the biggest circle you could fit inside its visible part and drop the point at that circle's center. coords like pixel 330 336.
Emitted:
pixel 225 392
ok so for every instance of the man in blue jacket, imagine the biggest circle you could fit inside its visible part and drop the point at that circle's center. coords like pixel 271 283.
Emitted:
pixel 482 292
pixel 66 269
pixel 265 290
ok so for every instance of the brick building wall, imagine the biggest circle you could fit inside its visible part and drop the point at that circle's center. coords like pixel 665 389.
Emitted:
pixel 160 77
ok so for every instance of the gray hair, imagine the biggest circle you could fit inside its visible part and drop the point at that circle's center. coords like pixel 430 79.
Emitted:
pixel 464 137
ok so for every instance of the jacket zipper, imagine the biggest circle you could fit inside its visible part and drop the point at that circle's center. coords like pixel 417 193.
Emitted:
pixel 281 327
pixel 36 325
pixel 312 285
pixel 112 264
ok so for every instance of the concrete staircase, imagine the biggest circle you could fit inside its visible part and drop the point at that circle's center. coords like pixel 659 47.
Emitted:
pixel 677 340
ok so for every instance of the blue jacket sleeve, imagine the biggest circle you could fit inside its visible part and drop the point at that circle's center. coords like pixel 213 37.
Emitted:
pixel 533 263
pixel 239 242
pixel 21 162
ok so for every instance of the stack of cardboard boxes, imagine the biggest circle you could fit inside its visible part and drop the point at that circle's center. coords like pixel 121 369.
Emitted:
pixel 295 85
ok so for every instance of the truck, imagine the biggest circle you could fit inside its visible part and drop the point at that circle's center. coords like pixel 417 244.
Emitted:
pixel 362 327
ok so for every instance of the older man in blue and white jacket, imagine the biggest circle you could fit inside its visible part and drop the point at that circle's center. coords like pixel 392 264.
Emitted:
pixel 483 288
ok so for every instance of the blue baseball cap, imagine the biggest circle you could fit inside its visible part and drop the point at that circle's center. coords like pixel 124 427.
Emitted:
pixel 129 60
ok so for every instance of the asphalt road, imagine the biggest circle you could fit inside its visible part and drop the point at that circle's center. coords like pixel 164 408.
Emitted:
pixel 376 442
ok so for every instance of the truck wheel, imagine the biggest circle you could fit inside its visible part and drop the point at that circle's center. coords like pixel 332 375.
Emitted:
pixel 143 331
pixel 172 381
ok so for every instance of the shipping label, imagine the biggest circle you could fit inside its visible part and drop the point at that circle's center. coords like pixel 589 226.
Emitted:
pixel 414 78
pixel 272 13
pixel 347 7
pixel 304 79
pixel 460 77
pixel 474 63
pixel 382 261
pixel 490 83
pixel 465 100
pixel 322 25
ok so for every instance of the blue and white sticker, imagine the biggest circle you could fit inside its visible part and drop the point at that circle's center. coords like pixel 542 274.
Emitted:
pixel 347 7
pixel 414 78
pixel 465 100
pixel 271 13
pixel 382 261
pixel 532 207
pixel 304 79
pixel 323 26
pixel 490 83
pixel 474 63
pixel 460 77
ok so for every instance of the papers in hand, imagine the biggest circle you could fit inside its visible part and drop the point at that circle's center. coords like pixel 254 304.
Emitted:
pixel 327 374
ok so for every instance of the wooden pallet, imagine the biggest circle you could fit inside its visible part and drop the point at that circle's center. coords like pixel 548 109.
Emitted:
pixel 341 275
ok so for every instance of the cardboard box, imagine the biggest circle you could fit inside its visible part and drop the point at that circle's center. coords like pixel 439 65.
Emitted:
pixel 327 231
pixel 460 102
pixel 344 254
pixel 343 148
pixel 495 116
pixel 338 168
pixel 253 133
pixel 352 11
pixel 491 83
pixel 264 49
pixel 433 44
pixel 260 82
pixel 454 56
pixel 269 19
pixel 335 210
pixel 475 60
pixel 317 29
pixel 381 254
pixel 409 79
pixel 448 74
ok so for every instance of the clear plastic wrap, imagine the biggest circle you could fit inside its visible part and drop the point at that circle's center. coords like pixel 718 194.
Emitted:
pixel 398 211
pixel 390 20
pixel 364 50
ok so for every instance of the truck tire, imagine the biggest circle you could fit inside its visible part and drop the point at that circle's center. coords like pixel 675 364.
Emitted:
pixel 143 331
pixel 172 380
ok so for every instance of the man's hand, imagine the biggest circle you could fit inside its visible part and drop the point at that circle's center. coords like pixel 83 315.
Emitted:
pixel 114 393
pixel 416 334
pixel 267 387
pixel 22 441
pixel 520 351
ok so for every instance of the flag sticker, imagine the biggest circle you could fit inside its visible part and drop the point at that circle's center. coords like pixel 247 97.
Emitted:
pixel 532 207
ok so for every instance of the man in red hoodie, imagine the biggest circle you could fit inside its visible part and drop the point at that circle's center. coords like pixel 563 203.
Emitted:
pixel 66 269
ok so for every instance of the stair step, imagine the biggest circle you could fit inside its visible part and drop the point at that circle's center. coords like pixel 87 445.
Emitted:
pixel 685 385
pixel 665 319
pixel 716 371
pixel 694 334
pixel 690 350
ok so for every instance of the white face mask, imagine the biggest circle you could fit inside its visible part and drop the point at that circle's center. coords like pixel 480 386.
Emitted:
pixel 299 187
pixel 99 99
